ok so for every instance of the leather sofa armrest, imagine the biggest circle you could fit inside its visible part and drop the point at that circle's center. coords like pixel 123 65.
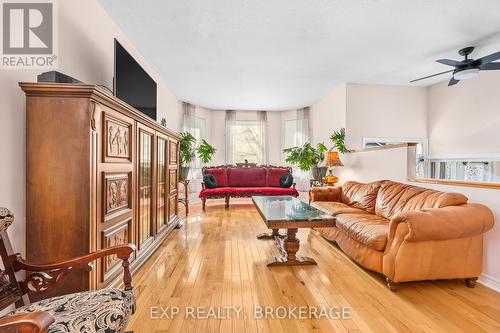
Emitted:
pixel 325 193
pixel 435 224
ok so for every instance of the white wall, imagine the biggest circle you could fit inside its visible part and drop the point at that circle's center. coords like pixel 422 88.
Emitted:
pixel 86 52
pixel 465 118
pixel 218 136
pixel 384 111
pixel 329 115
pixel 371 165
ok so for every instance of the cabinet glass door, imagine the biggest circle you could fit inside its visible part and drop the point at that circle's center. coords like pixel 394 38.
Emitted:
pixel 161 185
pixel 145 186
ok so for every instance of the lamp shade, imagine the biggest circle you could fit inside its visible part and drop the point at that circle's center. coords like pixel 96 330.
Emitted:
pixel 332 159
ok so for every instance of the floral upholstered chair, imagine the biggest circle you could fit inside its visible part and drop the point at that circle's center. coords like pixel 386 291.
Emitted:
pixel 106 310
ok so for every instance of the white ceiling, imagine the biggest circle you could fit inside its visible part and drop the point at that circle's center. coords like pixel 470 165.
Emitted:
pixel 284 54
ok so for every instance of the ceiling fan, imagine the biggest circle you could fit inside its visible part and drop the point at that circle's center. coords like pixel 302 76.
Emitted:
pixel 467 68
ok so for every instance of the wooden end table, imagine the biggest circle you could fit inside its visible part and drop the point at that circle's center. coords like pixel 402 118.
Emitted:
pixel 287 212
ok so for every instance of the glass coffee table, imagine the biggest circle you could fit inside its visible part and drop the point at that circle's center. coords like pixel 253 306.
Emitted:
pixel 287 212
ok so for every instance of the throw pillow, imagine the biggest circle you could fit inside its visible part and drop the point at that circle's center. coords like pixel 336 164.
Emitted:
pixel 209 181
pixel 286 180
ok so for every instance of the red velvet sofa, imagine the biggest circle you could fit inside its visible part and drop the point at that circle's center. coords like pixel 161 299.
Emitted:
pixel 245 180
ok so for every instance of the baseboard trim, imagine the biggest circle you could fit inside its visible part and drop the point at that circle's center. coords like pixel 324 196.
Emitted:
pixel 490 282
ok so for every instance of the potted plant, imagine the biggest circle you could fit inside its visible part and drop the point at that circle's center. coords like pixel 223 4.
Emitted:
pixel 338 140
pixel 205 151
pixel 308 158
pixel 188 151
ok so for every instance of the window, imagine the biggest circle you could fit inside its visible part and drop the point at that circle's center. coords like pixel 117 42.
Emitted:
pixel 246 141
pixel 293 135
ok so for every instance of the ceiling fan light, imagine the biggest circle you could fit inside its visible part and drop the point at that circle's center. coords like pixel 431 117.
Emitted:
pixel 466 74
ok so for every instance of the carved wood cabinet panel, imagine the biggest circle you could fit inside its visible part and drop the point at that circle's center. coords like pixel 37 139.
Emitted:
pixel 117 136
pixel 117 194
pixel 110 178
pixel 120 234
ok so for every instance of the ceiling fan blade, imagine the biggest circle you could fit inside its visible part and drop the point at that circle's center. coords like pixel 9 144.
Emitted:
pixel 449 62
pixel 426 77
pixel 490 67
pixel 487 59
pixel 453 81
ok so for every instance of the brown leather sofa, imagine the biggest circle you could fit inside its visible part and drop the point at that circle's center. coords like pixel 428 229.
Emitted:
pixel 405 232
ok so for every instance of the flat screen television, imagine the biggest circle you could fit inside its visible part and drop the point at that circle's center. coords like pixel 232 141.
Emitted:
pixel 132 84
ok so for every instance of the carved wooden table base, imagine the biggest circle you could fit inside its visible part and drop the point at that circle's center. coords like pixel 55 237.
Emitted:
pixel 288 246
pixel 272 235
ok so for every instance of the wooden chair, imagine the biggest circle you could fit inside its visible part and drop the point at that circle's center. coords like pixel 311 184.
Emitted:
pixel 106 310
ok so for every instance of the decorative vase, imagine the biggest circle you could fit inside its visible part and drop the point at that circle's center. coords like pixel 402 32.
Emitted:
pixel 183 172
pixel 318 172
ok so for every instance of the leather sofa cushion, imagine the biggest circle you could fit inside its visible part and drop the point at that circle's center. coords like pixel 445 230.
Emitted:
pixel 395 197
pixel 247 177
pixel 336 208
pixel 219 174
pixel 325 193
pixel 359 195
pixel 368 229
pixel 273 176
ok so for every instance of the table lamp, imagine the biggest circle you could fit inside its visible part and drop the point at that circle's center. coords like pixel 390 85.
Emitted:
pixel 331 159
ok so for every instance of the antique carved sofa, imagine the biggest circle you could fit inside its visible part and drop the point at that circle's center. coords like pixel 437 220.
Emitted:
pixel 405 232
pixel 245 180
pixel 106 310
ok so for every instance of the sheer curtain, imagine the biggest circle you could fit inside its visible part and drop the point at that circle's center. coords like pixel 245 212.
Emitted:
pixel 262 118
pixel 303 135
pixel 230 120
pixel 188 117
pixel 303 129
pixel 189 125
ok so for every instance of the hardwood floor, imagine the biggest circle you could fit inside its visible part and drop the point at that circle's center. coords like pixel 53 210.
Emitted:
pixel 216 261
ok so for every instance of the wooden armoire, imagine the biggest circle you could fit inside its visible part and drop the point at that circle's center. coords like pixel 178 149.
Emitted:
pixel 98 173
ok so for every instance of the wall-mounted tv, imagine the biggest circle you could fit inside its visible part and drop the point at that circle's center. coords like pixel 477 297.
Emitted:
pixel 132 84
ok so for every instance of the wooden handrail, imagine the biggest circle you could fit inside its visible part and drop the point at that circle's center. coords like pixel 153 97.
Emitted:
pixel 490 186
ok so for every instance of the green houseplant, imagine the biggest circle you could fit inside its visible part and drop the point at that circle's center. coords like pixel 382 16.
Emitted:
pixel 205 151
pixel 308 158
pixel 188 151
pixel 338 140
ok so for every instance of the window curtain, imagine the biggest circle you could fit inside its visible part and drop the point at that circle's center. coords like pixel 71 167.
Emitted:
pixel 230 119
pixel 303 129
pixel 262 118
pixel 188 117
pixel 188 124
